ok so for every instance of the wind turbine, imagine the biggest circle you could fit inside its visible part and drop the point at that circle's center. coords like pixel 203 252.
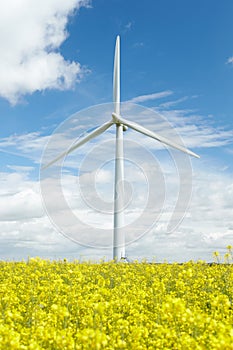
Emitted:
pixel 121 125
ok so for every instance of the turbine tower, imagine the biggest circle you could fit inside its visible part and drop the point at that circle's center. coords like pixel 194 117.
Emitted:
pixel 121 125
pixel 118 228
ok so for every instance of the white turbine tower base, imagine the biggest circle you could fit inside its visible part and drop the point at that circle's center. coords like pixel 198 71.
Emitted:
pixel 121 126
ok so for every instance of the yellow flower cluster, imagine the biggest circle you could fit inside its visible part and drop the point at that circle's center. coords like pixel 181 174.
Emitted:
pixel 71 305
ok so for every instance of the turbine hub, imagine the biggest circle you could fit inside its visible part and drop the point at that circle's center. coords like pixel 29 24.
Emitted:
pixel 115 118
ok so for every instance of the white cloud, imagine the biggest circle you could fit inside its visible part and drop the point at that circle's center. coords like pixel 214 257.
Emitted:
pixel 31 34
pixel 128 26
pixel 26 230
pixel 230 60
pixel 124 28
pixel 28 146
pixel 197 130
pixel 25 204
pixel 207 226
pixel 138 44
pixel 173 103
pixel 149 97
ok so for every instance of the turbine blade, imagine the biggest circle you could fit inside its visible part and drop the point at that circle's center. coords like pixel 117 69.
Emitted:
pixel 81 142
pixel 153 135
pixel 116 77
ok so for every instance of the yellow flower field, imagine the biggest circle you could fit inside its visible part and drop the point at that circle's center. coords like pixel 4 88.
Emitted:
pixel 72 305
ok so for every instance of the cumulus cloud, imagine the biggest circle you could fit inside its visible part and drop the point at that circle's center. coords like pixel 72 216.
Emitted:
pixel 207 225
pixel 26 230
pixel 31 34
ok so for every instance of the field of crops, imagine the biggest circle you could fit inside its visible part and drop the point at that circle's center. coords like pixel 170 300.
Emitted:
pixel 72 305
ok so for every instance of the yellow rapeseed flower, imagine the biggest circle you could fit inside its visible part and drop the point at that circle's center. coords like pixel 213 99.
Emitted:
pixel 70 305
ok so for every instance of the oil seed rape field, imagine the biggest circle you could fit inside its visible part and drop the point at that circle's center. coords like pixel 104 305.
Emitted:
pixel 72 305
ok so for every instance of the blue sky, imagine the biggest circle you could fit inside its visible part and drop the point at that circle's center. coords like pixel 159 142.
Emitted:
pixel 176 59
